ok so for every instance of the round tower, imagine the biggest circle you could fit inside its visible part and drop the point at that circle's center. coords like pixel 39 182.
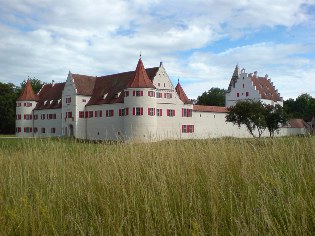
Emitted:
pixel 140 101
pixel 25 104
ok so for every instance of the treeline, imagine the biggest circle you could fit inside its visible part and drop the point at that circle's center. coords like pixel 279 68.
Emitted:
pixel 8 95
pixel 301 107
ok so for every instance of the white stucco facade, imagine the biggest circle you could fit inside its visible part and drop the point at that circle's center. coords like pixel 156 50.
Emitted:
pixel 144 113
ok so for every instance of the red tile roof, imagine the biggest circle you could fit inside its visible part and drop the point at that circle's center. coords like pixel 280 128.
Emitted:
pixel 265 88
pixel 28 93
pixel 141 79
pixel 84 84
pixel 296 123
pixel 112 86
pixel 50 96
pixel 210 108
pixel 181 94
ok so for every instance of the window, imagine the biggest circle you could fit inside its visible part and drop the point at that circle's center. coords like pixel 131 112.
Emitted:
pixel 188 128
pixel 247 94
pixel 18 129
pixel 159 84
pixel 35 117
pixel 81 114
pixel 28 117
pixel 109 113
pixel 18 104
pixel 35 130
pixel 170 112
pixel 27 129
pixel 186 112
pixel 137 111
pixel 98 113
pixel 159 112
pixel 151 93
pixel 69 114
pixel 53 130
pixel 164 84
pixel 68 100
pixel 90 114
pixel 137 93
pixel 159 95
pixel 151 111
pixel 167 95
pixel 83 100
pixel 43 116
pixel 18 117
pixel 124 111
pixel 238 94
pixel 126 93
pixel 27 104
pixel 43 130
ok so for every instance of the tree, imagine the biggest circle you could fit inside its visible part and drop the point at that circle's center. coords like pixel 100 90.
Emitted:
pixel 214 97
pixel 274 117
pixel 8 98
pixel 248 113
pixel 302 107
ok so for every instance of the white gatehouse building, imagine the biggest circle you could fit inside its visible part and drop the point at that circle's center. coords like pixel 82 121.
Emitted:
pixel 137 105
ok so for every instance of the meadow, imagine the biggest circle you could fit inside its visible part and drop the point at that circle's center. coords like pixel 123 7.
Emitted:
pixel 193 187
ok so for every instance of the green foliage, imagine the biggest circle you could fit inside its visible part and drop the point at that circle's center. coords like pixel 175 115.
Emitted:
pixel 256 115
pixel 195 187
pixel 274 117
pixel 214 97
pixel 8 97
pixel 302 107
pixel 248 113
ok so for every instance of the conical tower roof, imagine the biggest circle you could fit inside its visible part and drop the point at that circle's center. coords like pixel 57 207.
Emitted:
pixel 181 94
pixel 141 79
pixel 28 93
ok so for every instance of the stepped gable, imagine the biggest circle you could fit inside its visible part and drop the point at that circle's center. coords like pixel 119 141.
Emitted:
pixel 181 94
pixel 50 96
pixel 234 77
pixel 265 88
pixel 141 78
pixel 28 93
pixel 296 123
pixel 110 88
pixel 210 109
pixel 84 84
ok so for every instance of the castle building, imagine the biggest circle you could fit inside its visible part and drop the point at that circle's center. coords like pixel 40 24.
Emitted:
pixel 245 86
pixel 136 105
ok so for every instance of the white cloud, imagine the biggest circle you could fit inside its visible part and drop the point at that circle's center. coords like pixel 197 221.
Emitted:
pixel 46 38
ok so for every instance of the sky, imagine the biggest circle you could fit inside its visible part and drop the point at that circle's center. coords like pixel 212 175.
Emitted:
pixel 199 41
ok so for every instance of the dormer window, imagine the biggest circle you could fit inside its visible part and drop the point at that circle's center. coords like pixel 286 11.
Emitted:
pixel 105 95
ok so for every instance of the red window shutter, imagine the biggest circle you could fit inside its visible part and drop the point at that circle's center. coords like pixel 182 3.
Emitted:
pixel 170 95
pixel 154 111
pixel 193 128
pixel 133 111
pixel 25 104
pixel 24 129
pixel 95 113
pixel 30 106
pixel 31 129
pixel 119 112
pixel 86 114
pixel 182 128
pixel 133 93
pixel 149 93
pixel 164 95
pixel 173 112
pixel 31 117
pixel 168 112
pixel 141 93
pixel 161 112
pixel 106 113
pixel 182 112
pixel 24 117
pixel 101 113
pixel 141 110
pixel 148 111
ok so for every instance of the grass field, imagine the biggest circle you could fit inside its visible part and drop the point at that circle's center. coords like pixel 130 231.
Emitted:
pixel 204 187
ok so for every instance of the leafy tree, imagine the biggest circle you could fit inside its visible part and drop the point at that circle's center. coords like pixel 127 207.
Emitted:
pixel 302 107
pixel 274 117
pixel 214 97
pixel 8 98
pixel 248 113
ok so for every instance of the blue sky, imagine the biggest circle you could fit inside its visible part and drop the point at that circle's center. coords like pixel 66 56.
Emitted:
pixel 199 41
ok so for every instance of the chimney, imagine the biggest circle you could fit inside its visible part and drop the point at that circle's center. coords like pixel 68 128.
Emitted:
pixel 255 73
pixel 161 63
pixel 266 76
pixel 52 83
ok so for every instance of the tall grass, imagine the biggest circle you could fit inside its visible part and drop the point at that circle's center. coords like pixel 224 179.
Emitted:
pixel 204 187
